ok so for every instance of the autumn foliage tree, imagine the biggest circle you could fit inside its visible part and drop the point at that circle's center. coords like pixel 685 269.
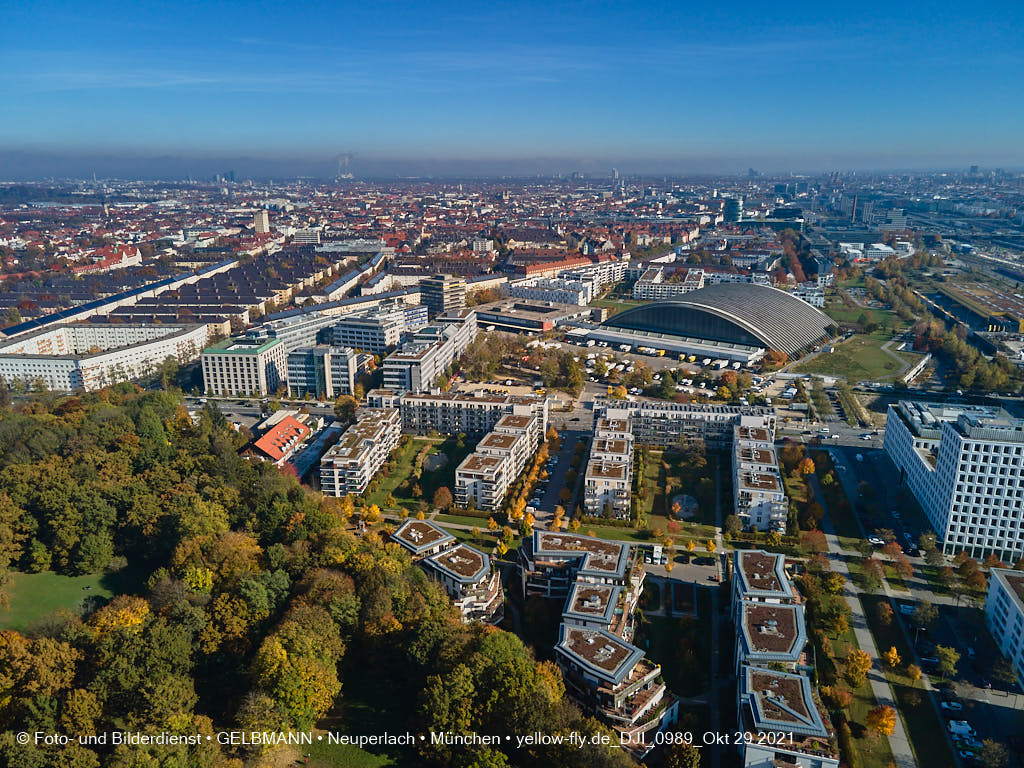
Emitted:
pixel 856 667
pixel 443 498
pixel 881 720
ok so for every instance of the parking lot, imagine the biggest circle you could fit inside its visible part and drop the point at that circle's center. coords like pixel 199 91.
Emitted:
pixel 991 709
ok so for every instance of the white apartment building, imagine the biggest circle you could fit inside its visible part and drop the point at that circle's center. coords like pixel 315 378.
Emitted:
pixel 773 693
pixel 471 413
pixel 1004 615
pixel 242 368
pixel 350 464
pixel 471 582
pixel 665 424
pixel 608 479
pixel 601 274
pixel 466 573
pixel 811 293
pixel 94 355
pixel 965 466
pixel 484 477
pixel 653 285
pixel 557 290
pixel 759 494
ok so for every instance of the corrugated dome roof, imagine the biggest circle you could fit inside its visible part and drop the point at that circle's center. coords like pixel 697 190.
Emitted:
pixel 742 313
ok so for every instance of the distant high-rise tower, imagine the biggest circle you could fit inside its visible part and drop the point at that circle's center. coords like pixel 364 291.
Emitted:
pixel 261 222
pixel 733 210
pixel 443 293
pixel 615 173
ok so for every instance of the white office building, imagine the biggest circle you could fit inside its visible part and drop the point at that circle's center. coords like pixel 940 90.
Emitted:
pixel 376 334
pixel 242 367
pixel 965 466
pixel 323 371
pixel 419 364
pixel 1004 615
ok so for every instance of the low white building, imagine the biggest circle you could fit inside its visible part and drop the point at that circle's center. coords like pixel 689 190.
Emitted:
pixel 654 285
pixel 558 290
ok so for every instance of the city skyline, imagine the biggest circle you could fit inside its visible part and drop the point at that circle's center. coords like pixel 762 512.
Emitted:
pixel 523 89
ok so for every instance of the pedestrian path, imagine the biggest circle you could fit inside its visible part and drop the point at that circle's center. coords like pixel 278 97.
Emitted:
pixel 899 743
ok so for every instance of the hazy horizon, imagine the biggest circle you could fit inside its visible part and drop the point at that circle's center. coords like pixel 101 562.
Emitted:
pixel 35 165
pixel 433 89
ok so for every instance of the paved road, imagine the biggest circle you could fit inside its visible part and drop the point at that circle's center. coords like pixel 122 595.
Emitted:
pixel 556 480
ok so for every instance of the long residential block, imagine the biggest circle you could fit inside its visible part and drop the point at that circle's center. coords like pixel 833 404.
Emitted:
pixel 350 464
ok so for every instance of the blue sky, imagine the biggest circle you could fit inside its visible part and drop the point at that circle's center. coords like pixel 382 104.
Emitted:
pixel 899 83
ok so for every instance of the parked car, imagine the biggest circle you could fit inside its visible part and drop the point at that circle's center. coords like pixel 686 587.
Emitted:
pixel 877 541
pixel 960 727
pixel 952 706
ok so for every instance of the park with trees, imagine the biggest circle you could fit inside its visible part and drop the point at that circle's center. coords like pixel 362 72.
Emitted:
pixel 249 604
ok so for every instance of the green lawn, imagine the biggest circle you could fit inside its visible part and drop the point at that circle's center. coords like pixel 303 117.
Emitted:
pixel 430 480
pixel 921 722
pixel 323 754
pixel 472 522
pixel 403 458
pixel 874 752
pixel 617 305
pixel 36 594
pixel 860 358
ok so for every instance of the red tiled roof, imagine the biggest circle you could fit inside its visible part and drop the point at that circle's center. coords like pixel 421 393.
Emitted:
pixel 279 440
